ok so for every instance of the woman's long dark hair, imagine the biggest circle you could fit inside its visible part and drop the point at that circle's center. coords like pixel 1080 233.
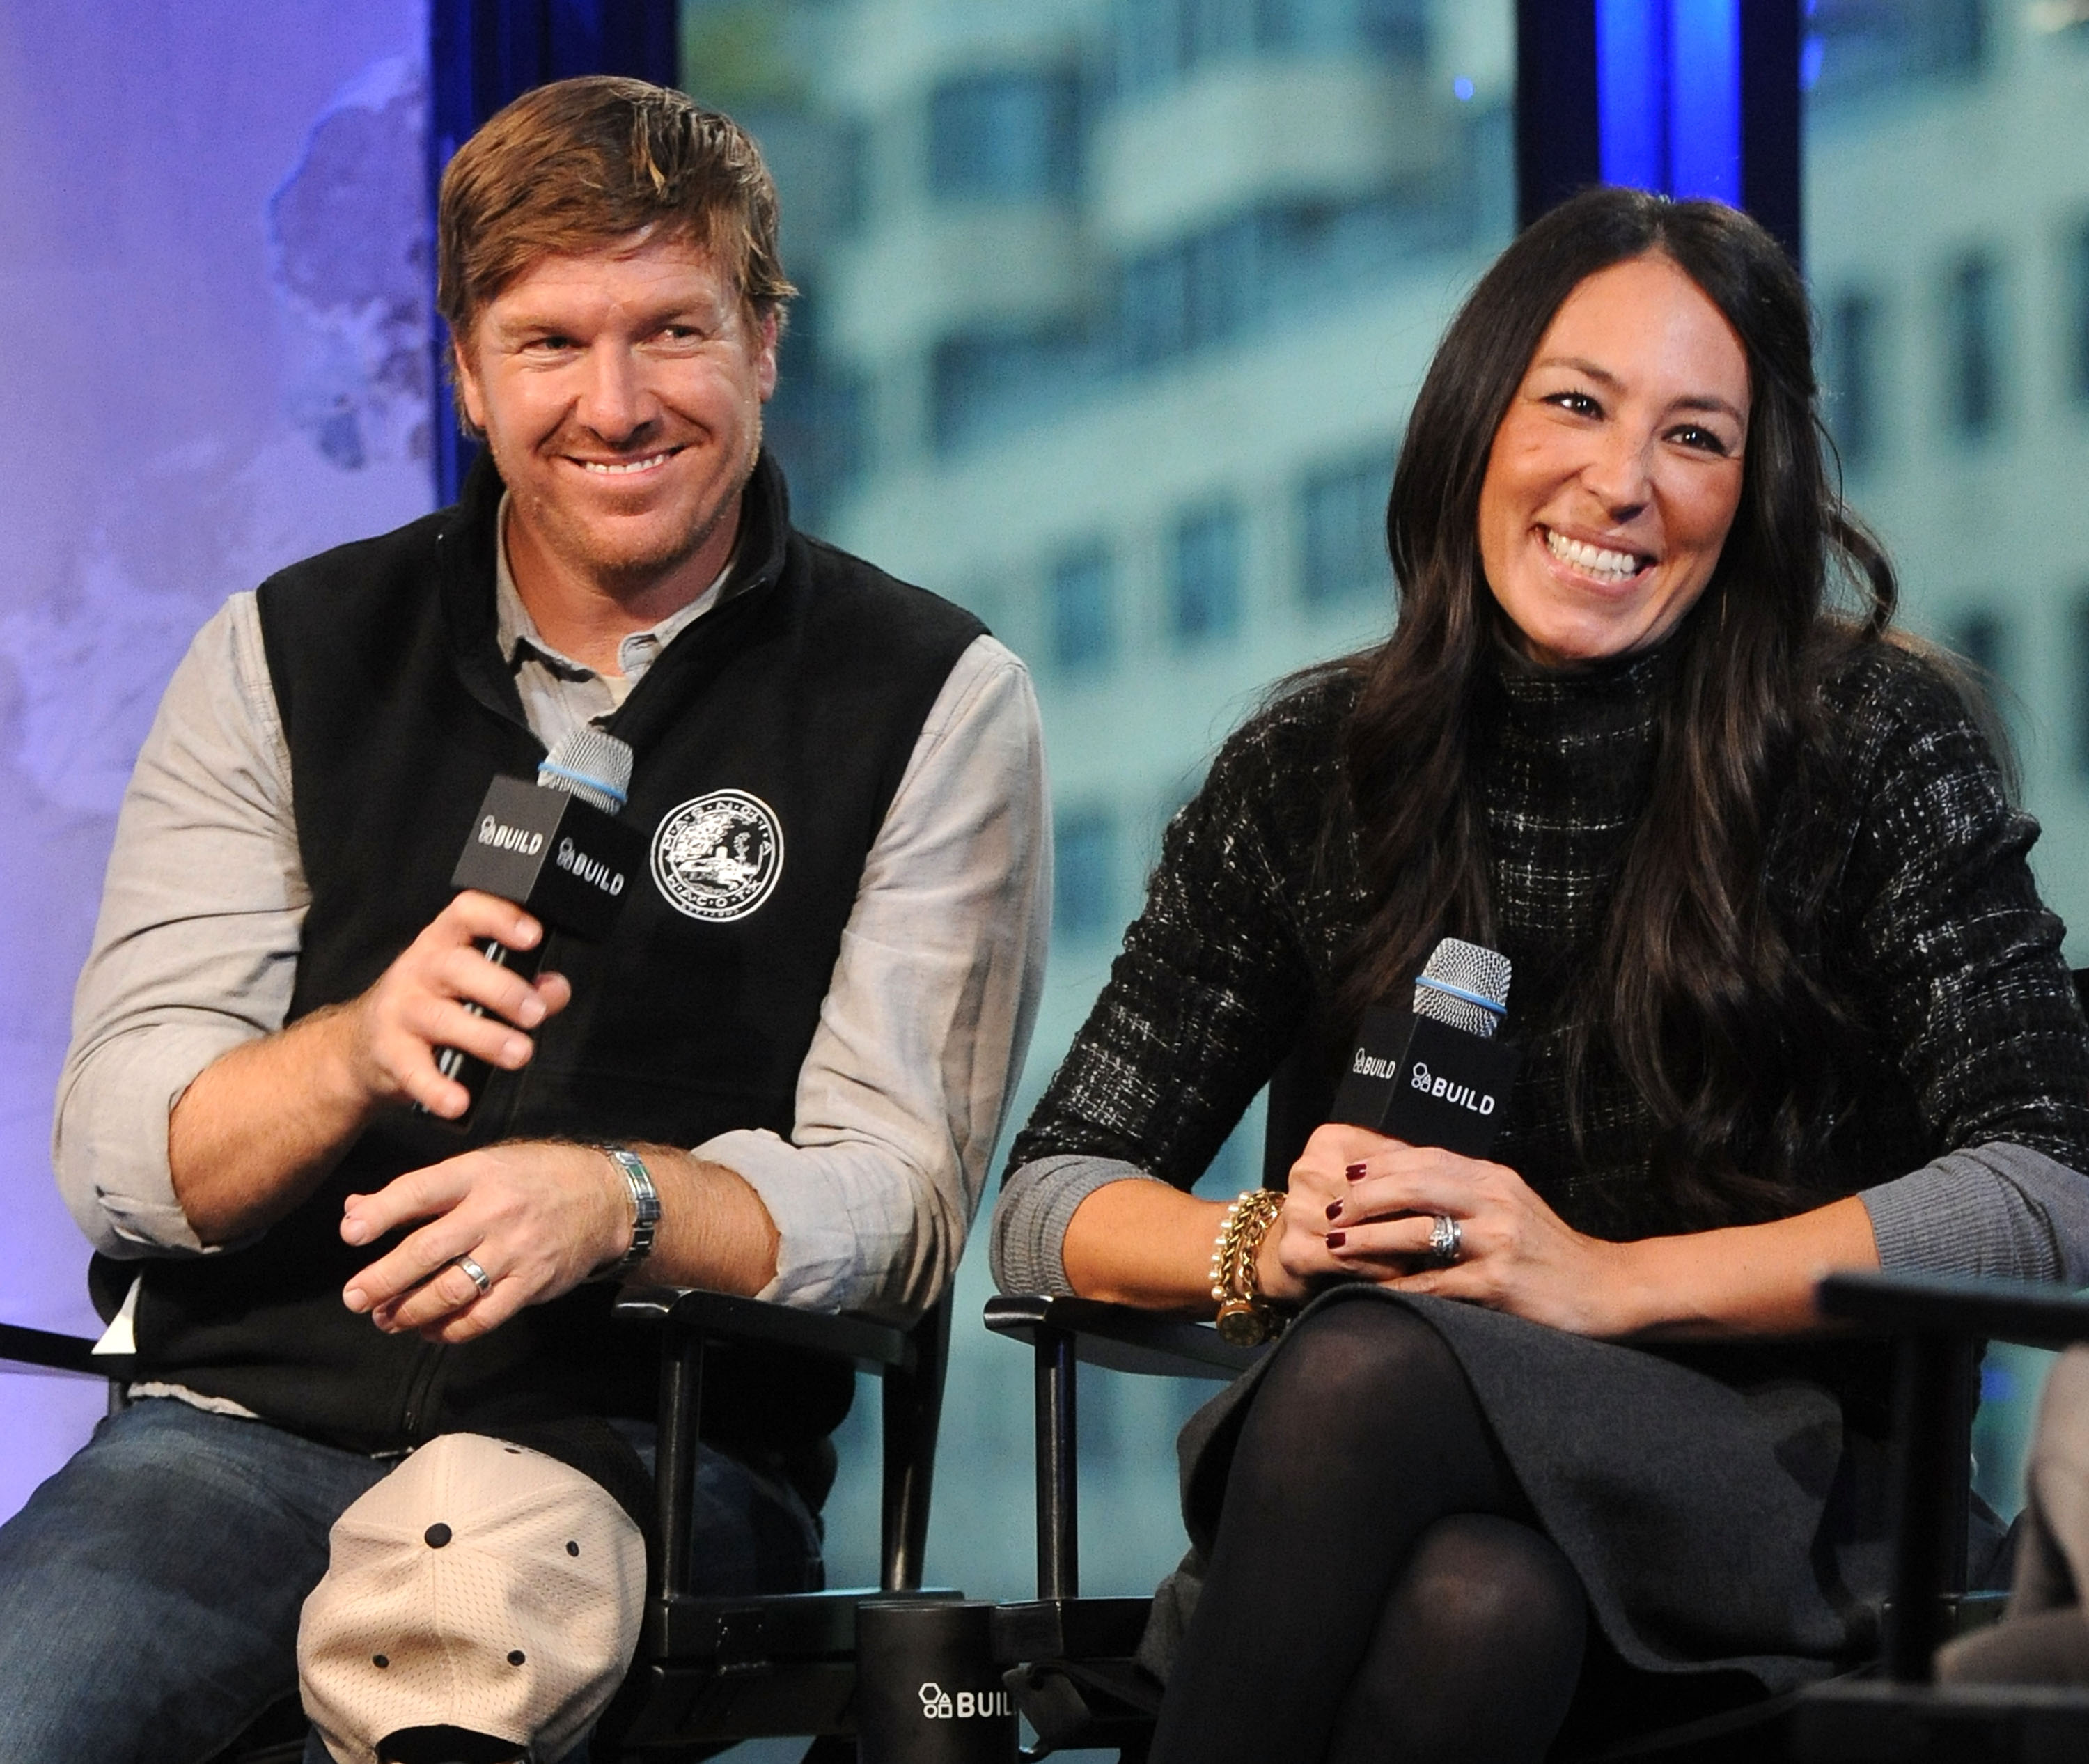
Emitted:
pixel 1711 1011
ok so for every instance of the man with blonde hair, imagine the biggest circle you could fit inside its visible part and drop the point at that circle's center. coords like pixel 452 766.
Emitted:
pixel 780 1075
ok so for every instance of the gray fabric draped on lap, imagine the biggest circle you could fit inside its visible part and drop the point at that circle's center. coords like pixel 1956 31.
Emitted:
pixel 1714 1525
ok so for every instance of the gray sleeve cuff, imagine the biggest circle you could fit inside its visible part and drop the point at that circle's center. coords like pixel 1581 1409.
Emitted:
pixel 1990 1210
pixel 1028 1240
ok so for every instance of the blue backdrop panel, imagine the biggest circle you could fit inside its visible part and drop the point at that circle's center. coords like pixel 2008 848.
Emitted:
pixel 1690 98
pixel 215 284
pixel 481 53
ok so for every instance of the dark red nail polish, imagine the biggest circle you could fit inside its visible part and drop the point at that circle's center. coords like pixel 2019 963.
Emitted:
pixel 1334 1209
pixel 1336 1239
pixel 1355 1173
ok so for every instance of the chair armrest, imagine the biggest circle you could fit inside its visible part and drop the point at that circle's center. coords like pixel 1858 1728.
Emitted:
pixel 1122 1338
pixel 910 1361
pixel 1939 1323
pixel 2035 1313
pixel 49 1351
pixel 723 1317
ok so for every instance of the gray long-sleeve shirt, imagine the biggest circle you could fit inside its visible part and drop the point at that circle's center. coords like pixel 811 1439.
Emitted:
pixel 901 1094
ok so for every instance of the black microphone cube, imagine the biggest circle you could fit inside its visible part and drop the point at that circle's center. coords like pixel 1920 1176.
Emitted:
pixel 553 855
pixel 1416 1079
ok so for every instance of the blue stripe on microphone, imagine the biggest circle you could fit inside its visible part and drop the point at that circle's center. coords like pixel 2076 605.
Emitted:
pixel 572 777
pixel 1480 999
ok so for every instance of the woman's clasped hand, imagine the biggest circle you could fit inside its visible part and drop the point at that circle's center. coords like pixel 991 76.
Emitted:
pixel 1363 1207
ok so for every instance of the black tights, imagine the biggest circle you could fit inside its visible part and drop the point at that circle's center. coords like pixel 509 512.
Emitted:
pixel 1378 1590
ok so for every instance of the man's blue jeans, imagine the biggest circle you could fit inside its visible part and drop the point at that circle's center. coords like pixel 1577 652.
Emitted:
pixel 149 1591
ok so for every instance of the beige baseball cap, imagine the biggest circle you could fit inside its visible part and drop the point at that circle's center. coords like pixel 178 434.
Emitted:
pixel 482 1595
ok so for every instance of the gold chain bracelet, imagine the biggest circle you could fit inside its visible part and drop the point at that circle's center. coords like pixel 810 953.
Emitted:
pixel 1244 1316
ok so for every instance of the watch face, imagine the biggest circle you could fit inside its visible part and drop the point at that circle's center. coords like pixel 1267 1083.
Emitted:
pixel 1240 1324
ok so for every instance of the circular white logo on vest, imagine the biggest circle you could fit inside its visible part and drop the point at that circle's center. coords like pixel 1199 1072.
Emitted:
pixel 718 857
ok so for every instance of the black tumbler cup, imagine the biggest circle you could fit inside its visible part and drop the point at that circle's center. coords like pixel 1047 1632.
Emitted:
pixel 928 1691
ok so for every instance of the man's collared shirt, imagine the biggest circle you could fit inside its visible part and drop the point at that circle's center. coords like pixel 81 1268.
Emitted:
pixel 559 695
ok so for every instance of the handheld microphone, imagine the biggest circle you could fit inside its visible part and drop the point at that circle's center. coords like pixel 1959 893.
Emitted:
pixel 1433 1075
pixel 556 849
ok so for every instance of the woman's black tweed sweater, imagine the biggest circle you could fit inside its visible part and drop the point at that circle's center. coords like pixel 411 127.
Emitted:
pixel 1750 1461
pixel 1932 933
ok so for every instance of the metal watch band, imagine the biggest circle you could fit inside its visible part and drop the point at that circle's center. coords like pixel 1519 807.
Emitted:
pixel 645 1210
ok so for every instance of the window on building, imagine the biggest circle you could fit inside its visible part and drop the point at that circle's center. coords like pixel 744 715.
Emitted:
pixel 1223 281
pixel 1009 136
pixel 1341 531
pixel 1194 293
pixel 1851 376
pixel 1153 308
pixel 1856 47
pixel 1083 865
pixel 1149 40
pixel 2078 312
pixel 1207 289
pixel 815 423
pixel 1282 24
pixel 1973 346
pixel 1160 42
pixel 1216 30
pixel 1987 640
pixel 1982 636
pixel 985 384
pixel 2079 677
pixel 1396 29
pixel 1083 629
pixel 1205 591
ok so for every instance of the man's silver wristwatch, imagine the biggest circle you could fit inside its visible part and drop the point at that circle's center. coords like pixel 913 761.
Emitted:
pixel 645 1210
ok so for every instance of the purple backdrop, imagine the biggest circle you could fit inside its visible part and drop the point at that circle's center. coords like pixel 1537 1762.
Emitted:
pixel 212 285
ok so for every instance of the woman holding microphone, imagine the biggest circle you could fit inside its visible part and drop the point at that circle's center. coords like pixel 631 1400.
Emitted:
pixel 1556 1435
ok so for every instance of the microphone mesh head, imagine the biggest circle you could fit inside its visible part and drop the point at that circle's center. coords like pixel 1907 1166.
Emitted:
pixel 1466 967
pixel 588 764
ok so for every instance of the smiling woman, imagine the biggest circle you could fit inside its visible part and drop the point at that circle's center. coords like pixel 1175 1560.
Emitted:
pixel 1788 1002
pixel 1617 468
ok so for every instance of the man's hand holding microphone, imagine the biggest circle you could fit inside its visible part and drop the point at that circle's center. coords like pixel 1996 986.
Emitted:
pixel 443 993
pixel 514 1224
pixel 503 1225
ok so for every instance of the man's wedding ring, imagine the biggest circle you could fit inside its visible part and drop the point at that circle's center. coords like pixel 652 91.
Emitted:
pixel 484 1281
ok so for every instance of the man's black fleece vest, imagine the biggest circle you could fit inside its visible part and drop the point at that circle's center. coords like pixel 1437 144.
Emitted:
pixel 805 691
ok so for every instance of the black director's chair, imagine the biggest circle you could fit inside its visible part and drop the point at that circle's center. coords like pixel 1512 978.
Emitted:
pixel 1899 1714
pixel 723 1670
pixel 710 1672
pixel 1070 1658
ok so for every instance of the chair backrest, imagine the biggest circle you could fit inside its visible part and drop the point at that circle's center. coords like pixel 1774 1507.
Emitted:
pixel 1302 1097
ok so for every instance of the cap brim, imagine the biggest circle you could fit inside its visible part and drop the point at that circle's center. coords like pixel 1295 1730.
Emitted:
pixel 447 1745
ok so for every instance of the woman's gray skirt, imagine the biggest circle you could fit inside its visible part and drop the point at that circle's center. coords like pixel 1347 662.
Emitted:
pixel 1717 1522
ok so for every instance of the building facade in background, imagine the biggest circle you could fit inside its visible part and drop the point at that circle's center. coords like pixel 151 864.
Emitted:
pixel 1115 309
pixel 1947 243
pixel 1114 312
